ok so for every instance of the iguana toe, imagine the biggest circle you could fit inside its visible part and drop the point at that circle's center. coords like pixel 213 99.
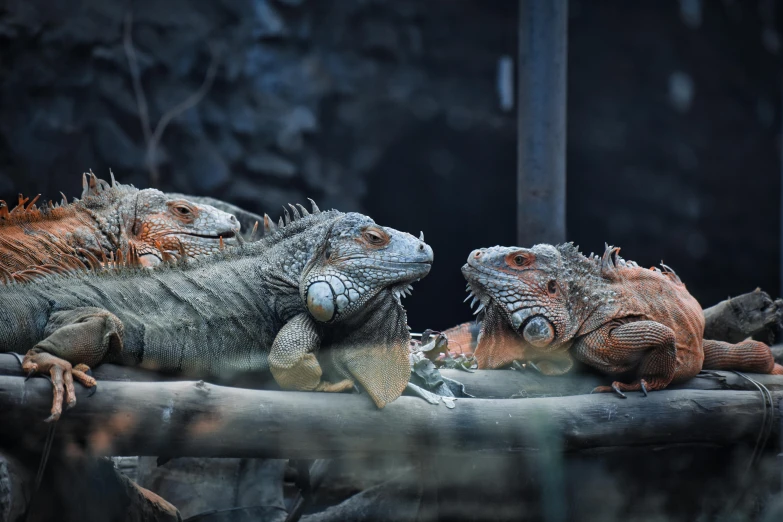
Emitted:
pixel 516 365
pixel 614 388
pixel 62 375
pixel 83 374
pixel 619 387
pixel 617 390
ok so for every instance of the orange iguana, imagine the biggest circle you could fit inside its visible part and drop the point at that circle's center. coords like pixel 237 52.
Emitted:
pixel 107 219
pixel 548 305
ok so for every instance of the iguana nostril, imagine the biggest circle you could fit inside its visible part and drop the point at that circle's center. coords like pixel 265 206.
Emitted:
pixel 539 332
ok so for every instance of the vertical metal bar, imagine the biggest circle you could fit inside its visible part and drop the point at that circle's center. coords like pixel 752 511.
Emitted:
pixel 541 141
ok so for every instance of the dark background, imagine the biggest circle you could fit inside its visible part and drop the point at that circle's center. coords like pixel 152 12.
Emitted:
pixel 392 108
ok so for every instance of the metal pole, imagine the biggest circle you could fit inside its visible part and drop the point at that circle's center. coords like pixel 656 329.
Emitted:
pixel 541 162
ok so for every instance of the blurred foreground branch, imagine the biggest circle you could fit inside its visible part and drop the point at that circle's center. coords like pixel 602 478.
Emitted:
pixel 202 420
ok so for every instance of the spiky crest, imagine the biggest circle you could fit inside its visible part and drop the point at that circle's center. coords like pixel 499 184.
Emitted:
pixel 128 262
pixel 96 194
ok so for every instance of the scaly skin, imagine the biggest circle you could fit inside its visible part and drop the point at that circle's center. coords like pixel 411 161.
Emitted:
pixel 108 219
pixel 248 220
pixel 319 296
pixel 548 304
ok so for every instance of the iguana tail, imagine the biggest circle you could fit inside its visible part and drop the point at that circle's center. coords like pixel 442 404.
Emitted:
pixel 746 356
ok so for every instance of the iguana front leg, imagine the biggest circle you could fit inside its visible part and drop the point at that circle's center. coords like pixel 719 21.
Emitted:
pixel 645 346
pixel 292 358
pixel 82 336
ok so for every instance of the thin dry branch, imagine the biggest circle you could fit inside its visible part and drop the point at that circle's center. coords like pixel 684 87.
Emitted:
pixel 152 138
pixel 138 90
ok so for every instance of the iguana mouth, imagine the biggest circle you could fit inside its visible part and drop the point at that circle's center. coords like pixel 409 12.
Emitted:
pixel 225 235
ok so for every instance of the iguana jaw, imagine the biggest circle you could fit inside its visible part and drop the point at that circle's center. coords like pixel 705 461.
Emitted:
pixel 178 225
pixel 508 278
pixel 358 260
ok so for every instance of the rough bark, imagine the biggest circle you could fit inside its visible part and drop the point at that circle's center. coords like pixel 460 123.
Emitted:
pixel 201 420
pixel 483 384
pixel 754 314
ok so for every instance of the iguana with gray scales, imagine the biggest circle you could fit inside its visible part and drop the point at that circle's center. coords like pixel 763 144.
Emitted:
pixel 326 284
pixel 249 221
pixel 108 218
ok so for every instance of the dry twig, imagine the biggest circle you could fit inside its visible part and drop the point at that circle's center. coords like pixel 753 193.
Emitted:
pixel 152 138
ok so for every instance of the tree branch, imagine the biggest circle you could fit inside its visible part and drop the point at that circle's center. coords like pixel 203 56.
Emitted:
pixel 152 138
pixel 200 420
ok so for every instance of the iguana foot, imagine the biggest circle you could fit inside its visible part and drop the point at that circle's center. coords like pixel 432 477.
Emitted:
pixel 62 375
pixel 335 387
pixel 619 387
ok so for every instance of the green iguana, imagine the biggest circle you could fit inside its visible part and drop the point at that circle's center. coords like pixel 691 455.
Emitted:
pixel 326 284
pixel 546 305
pixel 107 219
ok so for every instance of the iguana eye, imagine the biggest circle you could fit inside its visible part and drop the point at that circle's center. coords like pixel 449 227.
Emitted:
pixel 551 287
pixel 519 259
pixel 375 237
pixel 181 210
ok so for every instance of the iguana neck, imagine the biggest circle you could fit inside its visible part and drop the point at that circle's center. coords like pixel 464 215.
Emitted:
pixel 109 230
pixel 590 295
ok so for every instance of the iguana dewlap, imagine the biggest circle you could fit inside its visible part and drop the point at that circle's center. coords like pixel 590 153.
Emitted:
pixel 547 305
pixel 323 290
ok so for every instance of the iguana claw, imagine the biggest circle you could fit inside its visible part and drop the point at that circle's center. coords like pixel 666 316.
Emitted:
pixel 517 366
pixel 609 389
pixel 617 390
pixel 619 387
pixel 62 375
pixel 533 365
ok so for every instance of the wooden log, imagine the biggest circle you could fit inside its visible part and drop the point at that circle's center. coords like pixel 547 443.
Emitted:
pixel 483 384
pixel 754 314
pixel 201 420
pixel 505 384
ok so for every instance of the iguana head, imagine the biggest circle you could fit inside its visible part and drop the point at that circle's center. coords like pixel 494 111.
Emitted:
pixel 357 260
pixel 153 221
pixel 529 287
pixel 352 285
pixel 170 224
